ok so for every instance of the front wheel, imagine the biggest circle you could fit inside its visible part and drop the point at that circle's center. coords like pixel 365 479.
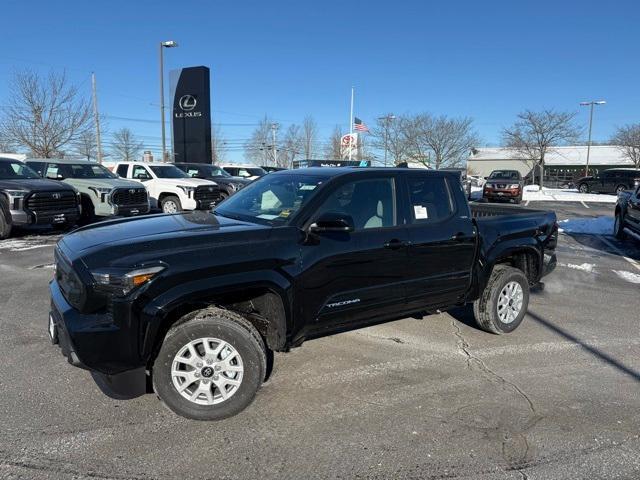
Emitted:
pixel 210 365
pixel 618 227
pixel 171 204
pixel 504 301
pixel 583 188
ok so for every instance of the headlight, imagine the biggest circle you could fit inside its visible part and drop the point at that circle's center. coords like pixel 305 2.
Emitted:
pixel 101 192
pixel 186 190
pixel 16 193
pixel 513 185
pixel 121 283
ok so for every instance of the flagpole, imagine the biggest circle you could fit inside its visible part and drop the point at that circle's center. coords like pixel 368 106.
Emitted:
pixel 351 126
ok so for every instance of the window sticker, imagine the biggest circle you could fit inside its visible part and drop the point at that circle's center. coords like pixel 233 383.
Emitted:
pixel 420 212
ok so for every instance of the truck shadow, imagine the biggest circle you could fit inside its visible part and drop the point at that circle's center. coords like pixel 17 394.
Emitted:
pixel 628 248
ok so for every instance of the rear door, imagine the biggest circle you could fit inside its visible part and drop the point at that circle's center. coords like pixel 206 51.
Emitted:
pixel 633 210
pixel 357 276
pixel 442 240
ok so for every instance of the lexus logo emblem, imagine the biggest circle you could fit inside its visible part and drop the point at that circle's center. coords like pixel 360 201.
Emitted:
pixel 187 102
pixel 56 196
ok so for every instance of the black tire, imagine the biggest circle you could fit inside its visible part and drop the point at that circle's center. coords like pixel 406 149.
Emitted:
pixel 618 227
pixel 167 201
pixel 219 324
pixel 583 188
pixel 485 309
pixel 88 214
pixel 5 221
pixel 621 188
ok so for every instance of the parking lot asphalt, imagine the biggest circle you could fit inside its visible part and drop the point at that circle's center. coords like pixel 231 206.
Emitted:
pixel 433 398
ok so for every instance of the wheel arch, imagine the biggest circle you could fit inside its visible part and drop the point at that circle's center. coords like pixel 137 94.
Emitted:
pixel 263 303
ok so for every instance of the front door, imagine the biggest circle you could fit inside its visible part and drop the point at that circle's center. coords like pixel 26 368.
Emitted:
pixel 356 276
pixel 442 240
pixel 633 210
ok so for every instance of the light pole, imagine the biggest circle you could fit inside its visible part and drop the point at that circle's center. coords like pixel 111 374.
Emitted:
pixel 163 45
pixel 590 104
pixel 387 120
pixel 274 127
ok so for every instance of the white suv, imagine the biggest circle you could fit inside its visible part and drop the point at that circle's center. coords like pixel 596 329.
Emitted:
pixel 170 188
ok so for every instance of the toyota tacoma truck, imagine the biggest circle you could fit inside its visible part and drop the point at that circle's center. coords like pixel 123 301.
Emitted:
pixel 192 306
pixel 26 199
pixel 170 189
pixel 102 193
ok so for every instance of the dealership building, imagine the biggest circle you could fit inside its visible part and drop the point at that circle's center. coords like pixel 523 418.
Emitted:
pixel 562 164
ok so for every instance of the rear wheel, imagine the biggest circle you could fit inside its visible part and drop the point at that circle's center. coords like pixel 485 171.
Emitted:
pixel 618 227
pixel 170 204
pixel 621 188
pixel 583 188
pixel 210 365
pixel 504 301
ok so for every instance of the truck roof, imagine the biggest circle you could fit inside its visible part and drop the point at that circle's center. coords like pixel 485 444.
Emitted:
pixel 62 160
pixel 338 171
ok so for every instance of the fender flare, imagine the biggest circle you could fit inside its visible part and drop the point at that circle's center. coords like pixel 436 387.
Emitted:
pixel 157 312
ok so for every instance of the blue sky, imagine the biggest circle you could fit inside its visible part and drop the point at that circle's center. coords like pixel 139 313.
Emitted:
pixel 484 59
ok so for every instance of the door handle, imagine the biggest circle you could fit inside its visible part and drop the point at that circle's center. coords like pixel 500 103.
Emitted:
pixel 395 244
pixel 458 237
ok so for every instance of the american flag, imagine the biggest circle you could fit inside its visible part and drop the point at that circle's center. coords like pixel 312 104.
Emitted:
pixel 359 125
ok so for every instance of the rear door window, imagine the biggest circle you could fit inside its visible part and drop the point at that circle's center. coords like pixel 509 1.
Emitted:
pixel 122 170
pixel 429 199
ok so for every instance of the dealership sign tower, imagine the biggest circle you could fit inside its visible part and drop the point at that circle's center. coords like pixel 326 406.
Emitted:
pixel 191 114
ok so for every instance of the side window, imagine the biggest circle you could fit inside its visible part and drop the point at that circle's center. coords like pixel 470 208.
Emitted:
pixel 122 170
pixel 429 199
pixel 371 203
pixel 140 173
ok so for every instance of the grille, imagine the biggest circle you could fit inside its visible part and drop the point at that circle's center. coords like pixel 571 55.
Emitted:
pixel 45 202
pixel 207 196
pixel 129 196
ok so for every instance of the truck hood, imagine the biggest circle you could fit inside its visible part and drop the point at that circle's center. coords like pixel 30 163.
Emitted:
pixel 184 182
pixel 101 183
pixel 34 184
pixel 131 237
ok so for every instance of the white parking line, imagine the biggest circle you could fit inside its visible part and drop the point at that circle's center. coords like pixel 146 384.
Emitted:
pixel 584 204
pixel 619 252
pixel 526 204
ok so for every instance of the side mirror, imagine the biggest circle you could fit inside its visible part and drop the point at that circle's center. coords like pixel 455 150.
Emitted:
pixel 58 176
pixel 486 178
pixel 332 222
pixel 142 176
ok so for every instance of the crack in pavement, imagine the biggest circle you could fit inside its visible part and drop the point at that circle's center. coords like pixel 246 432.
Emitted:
pixel 511 438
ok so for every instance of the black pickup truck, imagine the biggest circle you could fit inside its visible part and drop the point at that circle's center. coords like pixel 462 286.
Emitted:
pixel 193 305
pixel 627 213
pixel 26 199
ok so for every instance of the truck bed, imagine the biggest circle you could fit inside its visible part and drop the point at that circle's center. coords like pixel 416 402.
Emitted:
pixel 481 210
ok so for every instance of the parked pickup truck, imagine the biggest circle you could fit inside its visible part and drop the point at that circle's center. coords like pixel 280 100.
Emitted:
pixel 170 189
pixel 26 199
pixel 627 214
pixel 195 304
pixel 102 193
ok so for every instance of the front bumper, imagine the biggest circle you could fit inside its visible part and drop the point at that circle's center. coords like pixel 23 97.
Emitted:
pixel 502 194
pixel 26 217
pixel 93 341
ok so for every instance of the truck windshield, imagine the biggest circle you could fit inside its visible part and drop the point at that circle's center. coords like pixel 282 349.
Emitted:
pixel 168 171
pixel 82 170
pixel 16 171
pixel 272 199
pixel 214 171
pixel 505 175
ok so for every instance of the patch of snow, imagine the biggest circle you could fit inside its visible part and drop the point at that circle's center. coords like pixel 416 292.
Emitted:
pixel 585 267
pixel 591 225
pixel 23 245
pixel 628 276
pixel 564 195
pixel 532 188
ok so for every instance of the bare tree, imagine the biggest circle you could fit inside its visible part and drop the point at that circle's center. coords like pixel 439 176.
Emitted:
pixel 389 134
pixel 125 145
pixel 627 138
pixel 309 136
pixel 293 145
pixel 85 146
pixel 260 148
pixel 332 149
pixel 534 134
pixel 218 143
pixel 43 115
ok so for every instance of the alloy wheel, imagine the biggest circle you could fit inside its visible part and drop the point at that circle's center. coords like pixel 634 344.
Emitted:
pixel 510 302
